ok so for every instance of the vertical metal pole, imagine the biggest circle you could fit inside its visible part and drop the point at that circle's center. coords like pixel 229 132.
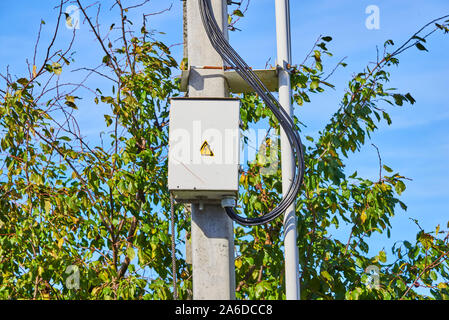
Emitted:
pixel 212 231
pixel 292 290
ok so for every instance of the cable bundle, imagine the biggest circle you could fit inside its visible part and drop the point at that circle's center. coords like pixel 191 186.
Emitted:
pixel 231 57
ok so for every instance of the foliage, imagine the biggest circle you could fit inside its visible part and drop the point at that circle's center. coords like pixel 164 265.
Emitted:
pixel 99 208
pixel 100 211
pixel 332 269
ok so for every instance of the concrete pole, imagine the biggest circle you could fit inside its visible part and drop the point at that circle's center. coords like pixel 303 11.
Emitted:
pixel 292 290
pixel 212 231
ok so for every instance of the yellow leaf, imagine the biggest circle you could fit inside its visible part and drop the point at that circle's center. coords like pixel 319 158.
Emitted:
pixel 47 206
pixel 442 285
pixel 184 64
pixel 34 71
pixel 426 240
pixel 70 98
pixel 60 243
pixel 238 263
pixel 363 216
pixel 326 275
pixel 153 250
pixel 57 68
pixel 95 291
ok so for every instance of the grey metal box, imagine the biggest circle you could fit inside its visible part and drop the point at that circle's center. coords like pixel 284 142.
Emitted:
pixel 203 158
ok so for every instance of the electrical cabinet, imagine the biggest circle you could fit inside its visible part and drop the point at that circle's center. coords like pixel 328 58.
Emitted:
pixel 203 157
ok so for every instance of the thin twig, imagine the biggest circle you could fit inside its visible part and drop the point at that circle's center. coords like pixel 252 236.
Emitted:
pixel 380 161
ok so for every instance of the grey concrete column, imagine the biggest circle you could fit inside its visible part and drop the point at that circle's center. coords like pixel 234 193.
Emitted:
pixel 212 231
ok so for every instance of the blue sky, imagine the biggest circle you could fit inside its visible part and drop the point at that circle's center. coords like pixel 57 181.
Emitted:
pixel 416 144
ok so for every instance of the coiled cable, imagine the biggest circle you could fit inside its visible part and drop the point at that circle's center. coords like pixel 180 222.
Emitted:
pixel 232 58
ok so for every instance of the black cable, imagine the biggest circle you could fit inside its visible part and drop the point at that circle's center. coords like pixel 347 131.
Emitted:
pixel 231 57
pixel 173 245
pixel 234 60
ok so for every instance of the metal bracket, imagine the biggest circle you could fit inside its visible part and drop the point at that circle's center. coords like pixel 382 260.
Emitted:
pixel 286 66
pixel 236 84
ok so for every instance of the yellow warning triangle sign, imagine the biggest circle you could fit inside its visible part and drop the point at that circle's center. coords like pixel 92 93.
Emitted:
pixel 206 150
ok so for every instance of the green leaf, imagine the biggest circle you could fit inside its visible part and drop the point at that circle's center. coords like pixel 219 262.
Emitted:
pixel 238 13
pixel 130 253
pixel 108 119
pixel 398 99
pixel 259 289
pixel 409 97
pixel 22 81
pixel 106 59
pixel 408 245
pixel 382 256
pixel 314 84
pixel 401 285
pixel 355 294
pixel 399 187
pixel 433 275
pixel 419 38
pixel 57 68
pixel 420 46
pixel 425 239
pixel 386 116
